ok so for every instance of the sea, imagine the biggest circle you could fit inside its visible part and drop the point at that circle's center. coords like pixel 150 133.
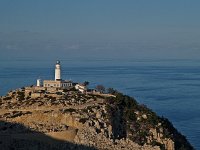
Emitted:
pixel 171 88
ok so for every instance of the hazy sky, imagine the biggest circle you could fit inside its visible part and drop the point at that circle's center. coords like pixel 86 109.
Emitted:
pixel 52 29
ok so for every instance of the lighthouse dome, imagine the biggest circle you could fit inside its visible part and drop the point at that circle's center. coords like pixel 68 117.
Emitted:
pixel 57 62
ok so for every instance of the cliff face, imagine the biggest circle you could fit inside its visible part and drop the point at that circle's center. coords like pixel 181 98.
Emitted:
pixel 141 125
pixel 84 121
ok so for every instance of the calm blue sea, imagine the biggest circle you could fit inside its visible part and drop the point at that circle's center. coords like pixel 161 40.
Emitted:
pixel 169 87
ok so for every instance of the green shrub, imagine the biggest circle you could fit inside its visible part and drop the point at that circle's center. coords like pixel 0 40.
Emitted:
pixel 70 110
pixel 83 120
pixel 7 98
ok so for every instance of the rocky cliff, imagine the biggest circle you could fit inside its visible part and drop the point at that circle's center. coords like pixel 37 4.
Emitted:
pixel 72 120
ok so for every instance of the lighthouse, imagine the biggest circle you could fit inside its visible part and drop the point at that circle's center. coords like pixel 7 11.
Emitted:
pixel 57 71
pixel 58 83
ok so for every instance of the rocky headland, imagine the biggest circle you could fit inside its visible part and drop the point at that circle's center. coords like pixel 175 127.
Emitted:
pixel 74 120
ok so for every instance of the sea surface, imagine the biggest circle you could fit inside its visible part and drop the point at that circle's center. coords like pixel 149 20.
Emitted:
pixel 171 88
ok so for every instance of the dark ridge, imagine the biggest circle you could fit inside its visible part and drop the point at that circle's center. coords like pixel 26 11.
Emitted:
pixel 122 115
pixel 180 140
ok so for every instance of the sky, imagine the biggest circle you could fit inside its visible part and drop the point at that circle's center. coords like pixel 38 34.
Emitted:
pixel 99 29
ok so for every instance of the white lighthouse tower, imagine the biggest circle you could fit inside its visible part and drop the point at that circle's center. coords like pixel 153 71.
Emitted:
pixel 58 83
pixel 57 71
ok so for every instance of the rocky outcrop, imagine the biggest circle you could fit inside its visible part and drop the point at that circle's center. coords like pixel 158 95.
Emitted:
pixel 159 137
pixel 141 125
pixel 91 137
pixel 84 121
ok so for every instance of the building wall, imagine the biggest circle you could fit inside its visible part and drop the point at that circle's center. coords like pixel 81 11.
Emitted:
pixel 51 83
pixel 34 89
pixel 57 84
pixel 66 84
pixel 81 88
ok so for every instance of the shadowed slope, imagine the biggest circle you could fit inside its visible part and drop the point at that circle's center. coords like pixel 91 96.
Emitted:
pixel 15 136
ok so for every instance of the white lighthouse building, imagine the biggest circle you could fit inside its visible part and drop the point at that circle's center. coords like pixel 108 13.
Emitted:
pixel 38 82
pixel 58 82
pixel 57 71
